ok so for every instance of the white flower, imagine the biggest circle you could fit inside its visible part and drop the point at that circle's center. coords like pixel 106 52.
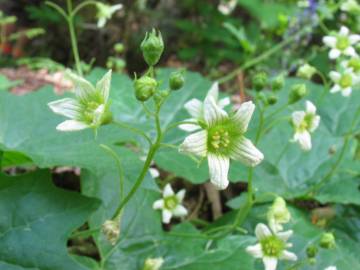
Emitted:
pixel 305 122
pixel 227 6
pixel 278 214
pixel 196 108
pixel 341 43
pixel 89 108
pixel 221 138
pixel 171 204
pixel 271 247
pixel 331 268
pixel 153 263
pixel 105 12
pixel 343 81
pixel 350 6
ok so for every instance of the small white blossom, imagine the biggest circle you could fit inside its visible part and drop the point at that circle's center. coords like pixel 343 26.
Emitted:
pixel 89 108
pixel 170 204
pixel 153 263
pixel 195 108
pixel 331 268
pixel 343 81
pixel 305 122
pixel 278 214
pixel 271 247
pixel 221 138
pixel 227 6
pixel 341 43
pixel 105 12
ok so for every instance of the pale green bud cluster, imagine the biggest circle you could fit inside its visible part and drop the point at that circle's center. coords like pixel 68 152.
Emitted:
pixel 145 87
pixel 306 71
pixel 111 230
pixel 278 83
pixel 153 263
pixel 176 80
pixel 278 214
pixel 260 80
pixel 327 241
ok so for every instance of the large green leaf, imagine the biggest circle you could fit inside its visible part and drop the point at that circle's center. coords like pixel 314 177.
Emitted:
pixel 32 229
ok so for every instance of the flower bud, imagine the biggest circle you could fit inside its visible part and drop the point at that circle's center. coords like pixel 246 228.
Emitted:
pixel 176 80
pixel 278 83
pixel 161 95
pixel 111 230
pixel 145 88
pixel 327 241
pixel 153 264
pixel 298 91
pixel 260 80
pixel 306 71
pixel 311 251
pixel 262 97
pixel 152 47
pixel 272 99
pixel 119 47
pixel 278 214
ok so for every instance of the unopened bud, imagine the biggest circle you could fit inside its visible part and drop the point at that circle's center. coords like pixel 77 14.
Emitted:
pixel 278 83
pixel 152 47
pixel 153 263
pixel 311 251
pixel 327 241
pixel 111 230
pixel 119 47
pixel 272 99
pixel 306 71
pixel 298 91
pixel 145 88
pixel 260 80
pixel 176 80
pixel 278 214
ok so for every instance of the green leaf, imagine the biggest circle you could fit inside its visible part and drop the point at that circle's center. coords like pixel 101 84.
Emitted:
pixel 7 84
pixel 33 233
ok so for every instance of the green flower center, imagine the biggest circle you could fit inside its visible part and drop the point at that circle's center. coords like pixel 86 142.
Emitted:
pixel 89 106
pixel 171 202
pixel 221 137
pixel 354 63
pixel 345 81
pixel 342 43
pixel 272 246
pixel 307 122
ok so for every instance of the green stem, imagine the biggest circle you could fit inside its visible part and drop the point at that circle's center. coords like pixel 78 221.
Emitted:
pixel 263 56
pixel 82 5
pixel 74 46
pixel 134 130
pixel 57 8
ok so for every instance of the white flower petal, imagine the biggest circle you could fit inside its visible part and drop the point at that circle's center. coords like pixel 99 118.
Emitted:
pixel 195 143
pixel 262 231
pixel 98 113
pixel 72 125
pixel 67 107
pixel 270 263
pixel 158 204
pixel 194 108
pixel 166 216
pixel 297 117
pixel 190 127
pixel 168 191
pixel 214 91
pixel 330 41
pixel 255 251
pixel 334 53
pixel 218 170
pixel 154 172
pixel 212 112
pixel 304 140
pixel 331 268
pixel 350 51
pixel 344 31
pixel 180 211
pixel 310 107
pixel 346 92
pixel 335 76
pixel 82 87
pixel 315 123
pixel 244 114
pixel 115 8
pixel 354 39
pixel 287 255
pixel 335 88
pixel 104 86
pixel 284 235
pixel 101 22
pixel 245 151
pixel 180 195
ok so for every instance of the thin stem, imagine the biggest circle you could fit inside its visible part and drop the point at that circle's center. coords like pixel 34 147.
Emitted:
pixel 74 46
pixel 82 5
pixel 119 167
pixel 58 9
pixel 263 56
pixel 134 130
pixel 176 124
